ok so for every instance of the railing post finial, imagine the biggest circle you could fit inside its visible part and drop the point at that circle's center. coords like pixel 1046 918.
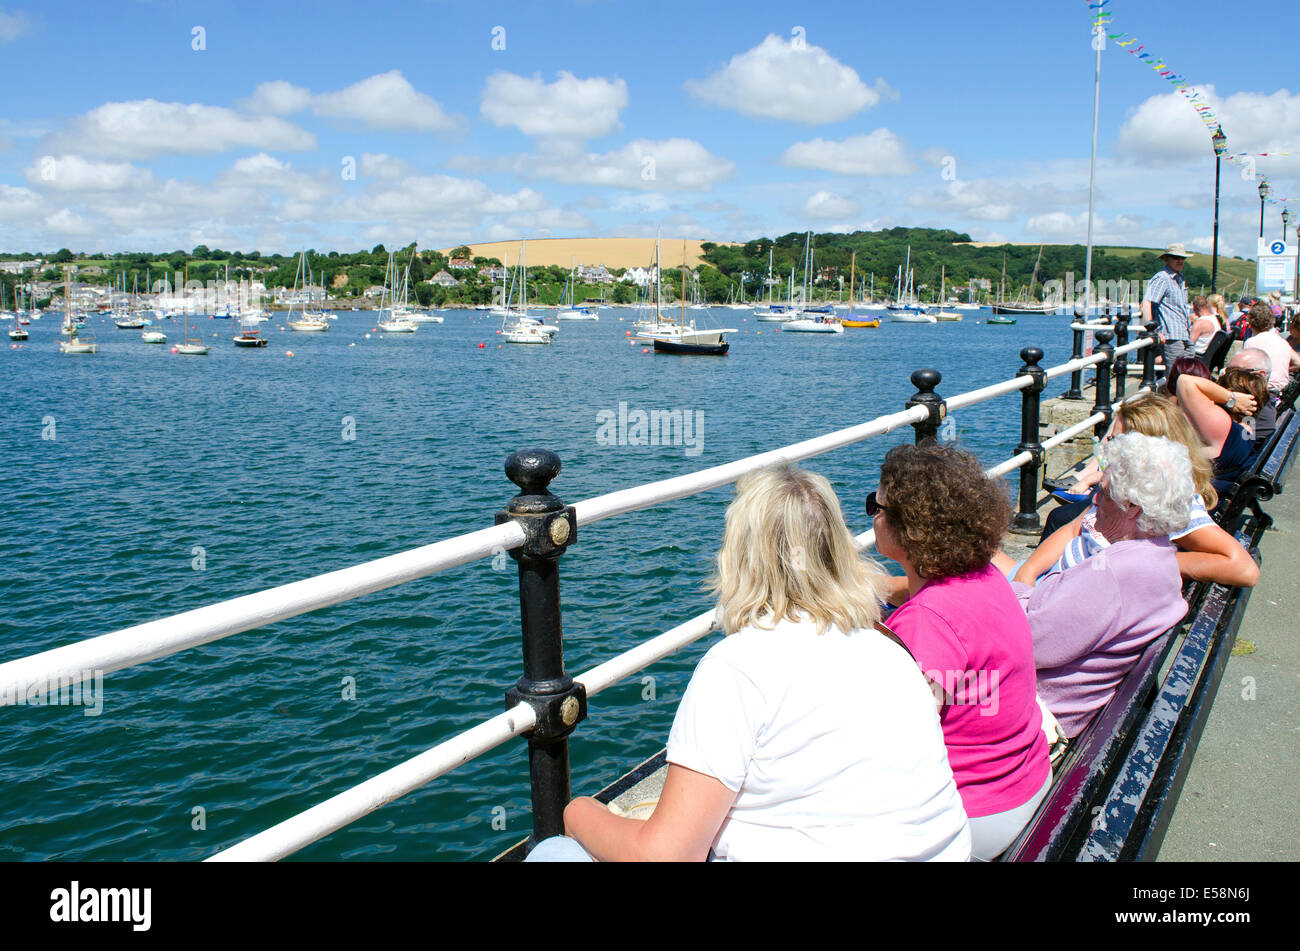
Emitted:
pixel 925 381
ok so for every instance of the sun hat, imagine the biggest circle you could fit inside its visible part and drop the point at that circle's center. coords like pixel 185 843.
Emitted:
pixel 1175 250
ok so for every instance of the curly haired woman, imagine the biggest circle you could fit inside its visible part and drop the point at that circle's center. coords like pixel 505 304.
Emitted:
pixel 942 521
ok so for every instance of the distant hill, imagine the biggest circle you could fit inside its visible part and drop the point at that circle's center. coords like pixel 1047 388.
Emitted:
pixel 611 252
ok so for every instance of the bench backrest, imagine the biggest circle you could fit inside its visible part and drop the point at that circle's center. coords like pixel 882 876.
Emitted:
pixel 1093 757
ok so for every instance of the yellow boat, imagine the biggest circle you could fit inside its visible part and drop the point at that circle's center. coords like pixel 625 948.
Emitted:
pixel 851 319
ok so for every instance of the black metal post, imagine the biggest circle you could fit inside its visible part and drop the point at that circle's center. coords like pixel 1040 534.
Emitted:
pixel 1102 403
pixel 1214 268
pixel 1121 365
pixel 925 381
pixel 550 527
pixel 1026 521
pixel 1149 356
pixel 1075 392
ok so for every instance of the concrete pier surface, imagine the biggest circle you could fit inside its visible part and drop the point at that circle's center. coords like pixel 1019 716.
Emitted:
pixel 1241 800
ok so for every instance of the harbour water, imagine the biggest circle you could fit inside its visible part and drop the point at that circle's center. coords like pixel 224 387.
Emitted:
pixel 143 483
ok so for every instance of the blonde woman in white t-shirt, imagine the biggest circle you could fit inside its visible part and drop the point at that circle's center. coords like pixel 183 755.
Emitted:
pixel 808 732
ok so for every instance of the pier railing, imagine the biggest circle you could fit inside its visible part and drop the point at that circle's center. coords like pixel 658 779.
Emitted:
pixel 536 528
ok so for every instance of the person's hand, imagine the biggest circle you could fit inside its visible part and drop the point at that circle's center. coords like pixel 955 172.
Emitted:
pixel 1163 338
pixel 1247 403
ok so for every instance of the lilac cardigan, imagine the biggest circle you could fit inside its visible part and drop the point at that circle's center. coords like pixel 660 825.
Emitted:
pixel 1092 622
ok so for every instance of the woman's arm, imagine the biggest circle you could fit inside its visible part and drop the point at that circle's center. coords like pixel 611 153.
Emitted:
pixel 1211 554
pixel 1049 552
pixel 1086 479
pixel 691 810
pixel 1202 400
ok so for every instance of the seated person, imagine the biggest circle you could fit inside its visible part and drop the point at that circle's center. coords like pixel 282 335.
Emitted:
pixel 1205 551
pixel 807 732
pixel 1216 413
pixel 1257 362
pixel 1092 621
pixel 1266 337
pixel 1205 324
pixel 942 520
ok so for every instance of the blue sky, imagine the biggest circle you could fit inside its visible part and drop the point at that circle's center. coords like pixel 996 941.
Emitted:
pixel 410 122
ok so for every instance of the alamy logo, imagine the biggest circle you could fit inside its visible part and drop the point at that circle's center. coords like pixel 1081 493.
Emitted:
pixel 966 688
pixel 84 689
pixel 103 904
pixel 658 427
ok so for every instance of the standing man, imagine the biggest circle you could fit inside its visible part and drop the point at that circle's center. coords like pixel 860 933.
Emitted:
pixel 1165 302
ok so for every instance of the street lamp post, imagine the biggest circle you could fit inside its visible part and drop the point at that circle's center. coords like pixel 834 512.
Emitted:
pixel 1220 142
pixel 1295 283
pixel 1264 191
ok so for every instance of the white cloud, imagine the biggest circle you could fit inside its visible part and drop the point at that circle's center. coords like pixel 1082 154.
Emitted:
pixel 18 205
pixel 1058 225
pixel 13 25
pixel 879 153
pixel 569 107
pixel 984 199
pixel 785 79
pixel 381 165
pixel 665 165
pixel 277 98
pixel 824 204
pixel 66 222
pixel 1166 129
pixel 385 101
pixel 145 127
pixel 73 173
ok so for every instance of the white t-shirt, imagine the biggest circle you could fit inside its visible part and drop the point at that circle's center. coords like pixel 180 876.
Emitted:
pixel 833 742
pixel 1279 357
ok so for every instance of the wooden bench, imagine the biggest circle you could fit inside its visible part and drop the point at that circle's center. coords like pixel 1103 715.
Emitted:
pixel 1114 793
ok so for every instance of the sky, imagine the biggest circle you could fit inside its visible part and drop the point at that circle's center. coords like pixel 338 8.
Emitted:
pixel 276 127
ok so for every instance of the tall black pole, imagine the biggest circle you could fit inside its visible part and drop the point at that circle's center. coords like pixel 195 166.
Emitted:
pixel 549 528
pixel 1214 271
pixel 1261 215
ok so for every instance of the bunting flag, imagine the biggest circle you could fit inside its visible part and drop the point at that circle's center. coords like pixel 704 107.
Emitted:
pixel 1200 105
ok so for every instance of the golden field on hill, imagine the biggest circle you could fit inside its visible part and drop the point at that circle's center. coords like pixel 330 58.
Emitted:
pixel 611 252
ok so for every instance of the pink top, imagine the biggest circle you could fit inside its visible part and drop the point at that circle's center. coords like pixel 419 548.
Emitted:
pixel 973 642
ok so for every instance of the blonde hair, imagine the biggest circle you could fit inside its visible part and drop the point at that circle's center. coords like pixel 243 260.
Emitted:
pixel 787 555
pixel 1153 415
pixel 1220 308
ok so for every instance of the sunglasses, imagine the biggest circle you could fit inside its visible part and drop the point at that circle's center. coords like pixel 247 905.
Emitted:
pixel 874 507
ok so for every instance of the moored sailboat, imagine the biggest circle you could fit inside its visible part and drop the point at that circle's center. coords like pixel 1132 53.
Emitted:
pixel 307 321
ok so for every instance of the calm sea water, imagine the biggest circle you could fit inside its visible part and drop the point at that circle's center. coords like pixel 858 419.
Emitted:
pixel 174 482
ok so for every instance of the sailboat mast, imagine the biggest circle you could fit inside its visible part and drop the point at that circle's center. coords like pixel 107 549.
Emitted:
pixel 682 323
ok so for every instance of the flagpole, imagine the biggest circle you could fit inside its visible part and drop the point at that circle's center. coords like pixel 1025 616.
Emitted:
pixel 1098 41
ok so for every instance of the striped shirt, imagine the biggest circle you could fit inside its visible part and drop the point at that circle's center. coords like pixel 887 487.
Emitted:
pixel 1090 541
pixel 1167 292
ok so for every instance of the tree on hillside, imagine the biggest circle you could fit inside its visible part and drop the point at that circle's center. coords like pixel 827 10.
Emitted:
pixel 460 251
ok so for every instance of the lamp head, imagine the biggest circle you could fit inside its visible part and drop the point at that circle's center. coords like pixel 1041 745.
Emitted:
pixel 1220 141
pixel 1264 190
